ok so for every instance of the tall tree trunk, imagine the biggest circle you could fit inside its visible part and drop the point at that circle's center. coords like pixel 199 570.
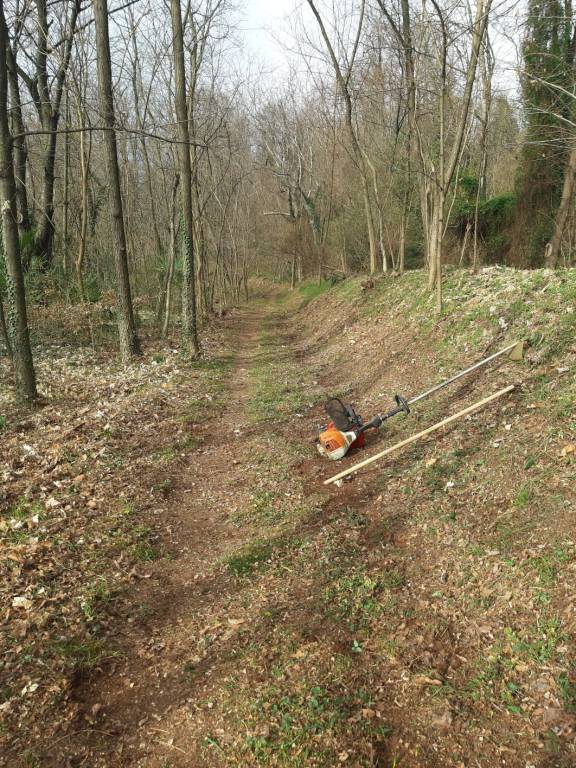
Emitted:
pixel 377 205
pixel 553 247
pixel 372 240
pixel 415 153
pixel 129 343
pixel 85 169
pixel 448 162
pixel 17 315
pixel 48 107
pixel 190 342
pixel 403 227
pixel 20 148
pixel 65 233
pixel 43 241
pixel 171 260
pixel 481 192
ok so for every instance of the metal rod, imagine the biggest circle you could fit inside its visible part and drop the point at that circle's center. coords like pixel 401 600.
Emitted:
pixel 462 373
pixel 419 435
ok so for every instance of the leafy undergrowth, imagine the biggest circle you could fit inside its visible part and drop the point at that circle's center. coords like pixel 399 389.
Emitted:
pixel 79 477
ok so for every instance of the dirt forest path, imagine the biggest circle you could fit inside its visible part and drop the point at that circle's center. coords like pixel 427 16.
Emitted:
pixel 135 707
pixel 283 623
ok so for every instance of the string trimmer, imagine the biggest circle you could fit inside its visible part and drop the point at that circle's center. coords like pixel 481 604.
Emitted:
pixel 346 428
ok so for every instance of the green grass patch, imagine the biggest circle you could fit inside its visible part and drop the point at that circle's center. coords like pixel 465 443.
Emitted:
pixel 250 557
pixel 144 549
pixel 144 552
pixel 357 598
pixel 311 289
pixel 511 534
pixel 257 555
pixel 567 688
pixel 547 566
pixel 539 643
pixel 524 496
pixel 354 599
pixel 96 596
pixel 266 506
pixel 24 509
pixel 280 387
pixel 219 364
pixel 83 654
pixel 301 725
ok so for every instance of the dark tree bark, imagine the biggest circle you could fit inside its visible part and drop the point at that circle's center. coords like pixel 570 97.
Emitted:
pixel 20 148
pixel 189 326
pixel 4 330
pixel 129 344
pixel 167 294
pixel 47 99
pixel 553 247
pixel 49 112
pixel 17 316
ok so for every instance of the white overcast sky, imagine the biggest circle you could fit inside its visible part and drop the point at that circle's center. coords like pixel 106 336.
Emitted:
pixel 264 20
pixel 261 20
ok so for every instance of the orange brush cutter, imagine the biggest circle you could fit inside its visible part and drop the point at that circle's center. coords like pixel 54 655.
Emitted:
pixel 346 430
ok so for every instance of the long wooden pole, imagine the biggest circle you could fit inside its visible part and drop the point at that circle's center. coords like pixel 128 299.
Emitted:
pixel 413 438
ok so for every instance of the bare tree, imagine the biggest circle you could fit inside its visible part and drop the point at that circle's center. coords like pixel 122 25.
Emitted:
pixel 17 325
pixel 174 227
pixel 343 78
pixel 46 92
pixel 190 341
pixel 129 343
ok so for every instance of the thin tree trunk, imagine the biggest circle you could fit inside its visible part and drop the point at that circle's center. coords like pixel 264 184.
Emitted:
pixel 165 300
pixel 402 244
pixel 246 290
pixel 129 343
pixel 553 247
pixel 17 323
pixel 48 107
pixel 65 235
pixel 171 260
pixel 481 192
pixel 20 148
pixel 415 152
pixel 359 158
pixel 465 243
pixel 441 191
pixel 370 225
pixel 376 193
pixel 190 342
pixel 85 167
pixel 200 251
pixel 448 164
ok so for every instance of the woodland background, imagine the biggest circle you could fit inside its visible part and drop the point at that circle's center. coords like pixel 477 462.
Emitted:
pixel 143 159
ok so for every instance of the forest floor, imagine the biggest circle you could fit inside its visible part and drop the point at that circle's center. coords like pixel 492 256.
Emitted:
pixel 179 589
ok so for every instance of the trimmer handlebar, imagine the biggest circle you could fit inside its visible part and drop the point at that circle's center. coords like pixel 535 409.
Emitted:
pixel 377 421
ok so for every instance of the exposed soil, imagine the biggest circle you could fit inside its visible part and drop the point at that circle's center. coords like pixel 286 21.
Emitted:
pixel 420 615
